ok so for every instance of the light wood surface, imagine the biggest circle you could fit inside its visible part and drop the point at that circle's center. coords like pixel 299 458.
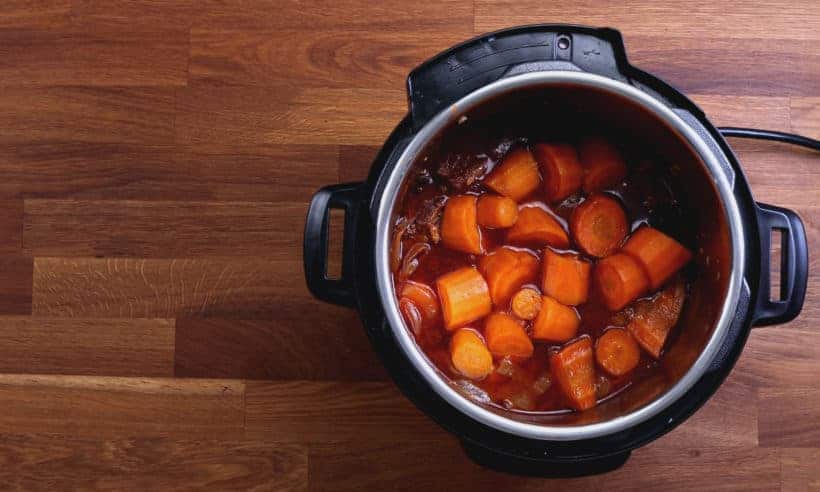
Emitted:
pixel 156 161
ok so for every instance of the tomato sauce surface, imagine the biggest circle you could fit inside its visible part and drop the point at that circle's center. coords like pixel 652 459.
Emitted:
pixel 647 195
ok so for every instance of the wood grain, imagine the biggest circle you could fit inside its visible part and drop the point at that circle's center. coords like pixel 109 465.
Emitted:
pixel 323 343
pixel 111 171
pixel 87 114
pixel 120 407
pixel 146 229
pixel 752 21
pixel 156 164
pixel 142 463
pixel 160 288
pixel 303 411
pixel 103 347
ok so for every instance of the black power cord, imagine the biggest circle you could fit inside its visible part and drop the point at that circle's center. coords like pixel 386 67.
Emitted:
pixel 791 138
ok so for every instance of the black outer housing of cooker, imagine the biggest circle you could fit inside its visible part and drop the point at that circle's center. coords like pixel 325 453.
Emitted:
pixel 432 87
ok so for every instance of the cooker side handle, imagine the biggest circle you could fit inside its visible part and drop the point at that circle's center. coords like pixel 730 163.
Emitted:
pixel 794 265
pixel 339 291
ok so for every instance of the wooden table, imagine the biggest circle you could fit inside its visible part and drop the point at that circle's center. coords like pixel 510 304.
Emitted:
pixel 156 163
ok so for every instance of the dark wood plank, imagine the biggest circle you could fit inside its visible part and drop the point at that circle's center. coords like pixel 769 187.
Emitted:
pixel 761 21
pixel 805 115
pixel 162 229
pixel 15 284
pixel 355 161
pixel 725 65
pixel 331 58
pixel 104 171
pixel 322 343
pixel 144 15
pixel 34 14
pixel 45 462
pixel 791 416
pixel 799 469
pixel 93 58
pixel 224 119
pixel 11 227
pixel 302 411
pixel 249 288
pixel 143 347
pixel 771 113
pixel 84 114
pixel 121 407
pixel 391 15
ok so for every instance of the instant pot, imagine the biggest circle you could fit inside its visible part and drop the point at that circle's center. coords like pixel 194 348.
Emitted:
pixel 576 74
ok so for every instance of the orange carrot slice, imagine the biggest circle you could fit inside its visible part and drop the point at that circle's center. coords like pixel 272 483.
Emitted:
pixel 598 225
pixel 459 228
pixel 617 352
pixel 621 279
pixel 573 368
pixel 497 211
pixel 654 318
pixel 505 337
pixel 603 165
pixel 516 177
pixel 562 172
pixel 526 303
pixel 464 296
pixel 470 355
pixel 565 277
pixel 660 255
pixel 536 227
pixel 506 270
pixel 555 322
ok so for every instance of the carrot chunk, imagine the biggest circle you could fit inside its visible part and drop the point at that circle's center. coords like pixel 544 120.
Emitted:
pixel 654 318
pixel 621 279
pixel 497 211
pixel 660 255
pixel 464 297
pixel 506 337
pixel 603 165
pixel 565 277
pixel 536 227
pixel 419 304
pixel 516 177
pixel 506 270
pixel 459 227
pixel 562 172
pixel 617 352
pixel 526 303
pixel 555 322
pixel 574 369
pixel 598 225
pixel 470 355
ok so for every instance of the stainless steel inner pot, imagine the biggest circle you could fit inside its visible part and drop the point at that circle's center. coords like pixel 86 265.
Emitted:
pixel 708 199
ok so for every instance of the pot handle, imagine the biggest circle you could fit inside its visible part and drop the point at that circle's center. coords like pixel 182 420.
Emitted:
pixel 340 290
pixel 794 265
pixel 543 467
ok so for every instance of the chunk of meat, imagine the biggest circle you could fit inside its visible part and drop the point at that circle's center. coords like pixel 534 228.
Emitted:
pixel 654 318
pixel 427 222
pixel 460 170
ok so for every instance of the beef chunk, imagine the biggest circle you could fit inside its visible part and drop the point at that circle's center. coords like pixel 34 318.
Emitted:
pixel 460 170
pixel 428 219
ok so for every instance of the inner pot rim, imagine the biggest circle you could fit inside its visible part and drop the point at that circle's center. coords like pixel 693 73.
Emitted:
pixel 439 383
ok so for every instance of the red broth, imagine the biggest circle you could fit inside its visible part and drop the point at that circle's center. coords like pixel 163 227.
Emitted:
pixel 647 195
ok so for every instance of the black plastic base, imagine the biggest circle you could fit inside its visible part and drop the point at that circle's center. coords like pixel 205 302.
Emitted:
pixel 544 468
